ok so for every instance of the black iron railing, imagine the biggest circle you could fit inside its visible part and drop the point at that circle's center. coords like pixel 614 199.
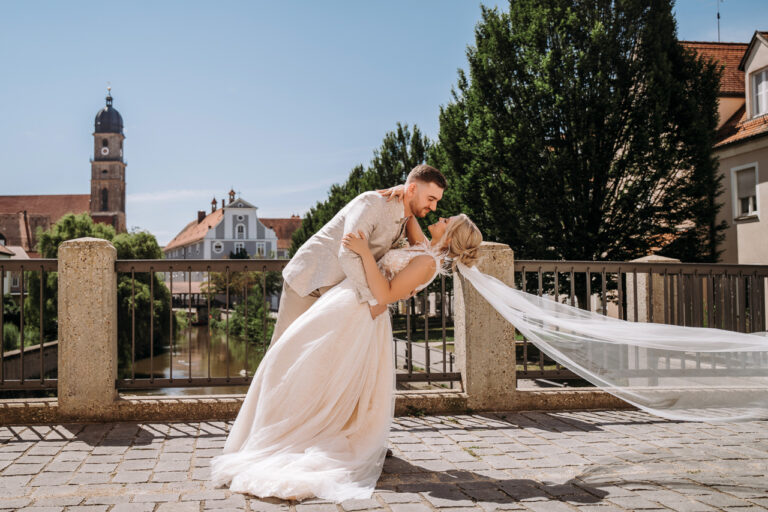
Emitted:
pixel 25 366
pixel 418 360
pixel 730 297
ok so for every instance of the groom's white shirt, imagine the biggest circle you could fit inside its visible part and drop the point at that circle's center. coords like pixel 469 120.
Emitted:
pixel 324 261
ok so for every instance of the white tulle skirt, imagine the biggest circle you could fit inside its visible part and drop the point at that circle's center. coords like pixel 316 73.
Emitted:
pixel 317 415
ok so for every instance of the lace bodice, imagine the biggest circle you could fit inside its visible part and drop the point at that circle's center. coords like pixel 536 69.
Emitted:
pixel 396 260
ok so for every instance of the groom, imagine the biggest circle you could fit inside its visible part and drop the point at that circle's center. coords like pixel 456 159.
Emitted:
pixel 322 261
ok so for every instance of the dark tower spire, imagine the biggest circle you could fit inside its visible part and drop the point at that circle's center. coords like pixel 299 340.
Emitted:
pixel 108 167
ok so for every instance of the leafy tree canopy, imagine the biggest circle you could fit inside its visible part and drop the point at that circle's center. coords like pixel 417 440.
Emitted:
pixel 400 151
pixel 583 130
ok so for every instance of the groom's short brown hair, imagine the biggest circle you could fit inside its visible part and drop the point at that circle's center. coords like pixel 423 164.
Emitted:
pixel 427 174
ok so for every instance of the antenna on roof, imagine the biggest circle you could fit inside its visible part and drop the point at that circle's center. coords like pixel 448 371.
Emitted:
pixel 717 3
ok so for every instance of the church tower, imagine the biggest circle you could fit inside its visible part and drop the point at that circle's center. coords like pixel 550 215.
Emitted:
pixel 108 168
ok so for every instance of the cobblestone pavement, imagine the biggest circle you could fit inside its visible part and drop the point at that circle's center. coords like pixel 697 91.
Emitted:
pixel 590 461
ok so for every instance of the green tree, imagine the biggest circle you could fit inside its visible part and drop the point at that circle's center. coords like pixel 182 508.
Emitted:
pixel 400 151
pixel 248 310
pixel 584 131
pixel 134 245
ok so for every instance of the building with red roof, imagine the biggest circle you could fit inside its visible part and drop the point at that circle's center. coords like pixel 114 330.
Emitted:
pixel 741 146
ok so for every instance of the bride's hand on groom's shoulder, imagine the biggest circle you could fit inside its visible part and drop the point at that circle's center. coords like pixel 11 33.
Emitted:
pixel 356 243
pixel 396 192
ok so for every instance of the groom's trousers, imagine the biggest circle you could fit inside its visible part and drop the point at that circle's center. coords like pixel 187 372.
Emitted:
pixel 292 305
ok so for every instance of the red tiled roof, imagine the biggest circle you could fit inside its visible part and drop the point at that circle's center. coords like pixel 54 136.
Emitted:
pixel 729 55
pixel 738 128
pixel 283 228
pixel 54 206
pixel 195 231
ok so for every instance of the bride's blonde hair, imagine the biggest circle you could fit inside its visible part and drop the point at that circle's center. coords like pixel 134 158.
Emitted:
pixel 463 241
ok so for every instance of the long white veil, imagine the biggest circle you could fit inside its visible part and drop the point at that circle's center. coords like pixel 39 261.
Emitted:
pixel 676 372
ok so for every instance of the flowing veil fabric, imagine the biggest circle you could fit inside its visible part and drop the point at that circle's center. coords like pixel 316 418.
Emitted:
pixel 676 372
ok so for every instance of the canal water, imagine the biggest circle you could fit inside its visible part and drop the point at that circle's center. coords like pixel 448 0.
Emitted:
pixel 208 349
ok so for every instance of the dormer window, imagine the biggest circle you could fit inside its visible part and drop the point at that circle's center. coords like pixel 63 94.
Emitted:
pixel 760 92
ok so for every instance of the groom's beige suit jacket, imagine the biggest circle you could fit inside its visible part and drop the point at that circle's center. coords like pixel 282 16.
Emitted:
pixel 324 261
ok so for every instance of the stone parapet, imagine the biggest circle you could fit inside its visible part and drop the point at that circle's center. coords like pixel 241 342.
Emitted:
pixel 484 340
pixel 87 325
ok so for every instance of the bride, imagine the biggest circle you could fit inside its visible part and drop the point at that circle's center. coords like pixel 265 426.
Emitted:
pixel 317 415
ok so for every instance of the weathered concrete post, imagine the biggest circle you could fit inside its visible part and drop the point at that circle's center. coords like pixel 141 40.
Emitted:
pixel 657 287
pixel 484 340
pixel 87 328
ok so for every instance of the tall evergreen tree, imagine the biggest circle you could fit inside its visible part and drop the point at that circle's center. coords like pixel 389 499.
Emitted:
pixel 584 131
pixel 400 151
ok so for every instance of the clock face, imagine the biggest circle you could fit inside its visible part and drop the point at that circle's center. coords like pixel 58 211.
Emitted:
pixel 104 151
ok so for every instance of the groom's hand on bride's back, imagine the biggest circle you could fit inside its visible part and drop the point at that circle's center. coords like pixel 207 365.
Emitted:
pixel 396 192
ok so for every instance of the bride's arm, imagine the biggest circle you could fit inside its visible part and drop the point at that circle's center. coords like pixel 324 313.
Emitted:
pixel 417 272
pixel 413 231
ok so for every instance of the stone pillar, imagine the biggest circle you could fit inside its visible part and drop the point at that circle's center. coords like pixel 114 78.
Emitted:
pixel 87 328
pixel 657 299
pixel 484 340
pixel 647 358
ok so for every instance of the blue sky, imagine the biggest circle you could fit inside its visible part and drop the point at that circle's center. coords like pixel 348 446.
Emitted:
pixel 276 99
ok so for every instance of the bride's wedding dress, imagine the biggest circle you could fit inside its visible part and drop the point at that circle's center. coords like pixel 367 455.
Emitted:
pixel 316 418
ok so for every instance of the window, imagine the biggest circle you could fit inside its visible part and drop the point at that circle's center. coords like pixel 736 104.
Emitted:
pixel 760 92
pixel 218 247
pixel 744 183
pixel 240 231
pixel 2 239
pixel 239 246
pixel 15 280
pixel 260 248
pixel 104 143
pixel 240 217
pixel 197 248
pixel 104 200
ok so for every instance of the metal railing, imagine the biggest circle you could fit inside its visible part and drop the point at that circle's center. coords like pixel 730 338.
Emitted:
pixel 415 354
pixel 730 297
pixel 417 360
pixel 212 296
pixel 15 372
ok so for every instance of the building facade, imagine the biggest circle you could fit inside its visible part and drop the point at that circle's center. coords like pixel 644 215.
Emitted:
pixel 742 145
pixel 223 233
pixel 232 230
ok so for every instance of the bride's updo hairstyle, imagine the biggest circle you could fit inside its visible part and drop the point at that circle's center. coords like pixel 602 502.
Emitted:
pixel 464 241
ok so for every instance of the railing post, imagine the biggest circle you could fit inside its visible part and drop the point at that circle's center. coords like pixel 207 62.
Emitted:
pixel 87 328
pixel 484 341
pixel 659 302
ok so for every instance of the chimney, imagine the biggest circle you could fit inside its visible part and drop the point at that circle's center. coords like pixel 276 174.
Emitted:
pixel 222 202
pixel 200 216
pixel 213 205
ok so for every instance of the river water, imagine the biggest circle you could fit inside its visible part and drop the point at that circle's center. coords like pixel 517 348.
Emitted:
pixel 199 339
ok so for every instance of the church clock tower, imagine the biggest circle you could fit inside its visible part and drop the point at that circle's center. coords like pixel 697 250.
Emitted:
pixel 108 168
